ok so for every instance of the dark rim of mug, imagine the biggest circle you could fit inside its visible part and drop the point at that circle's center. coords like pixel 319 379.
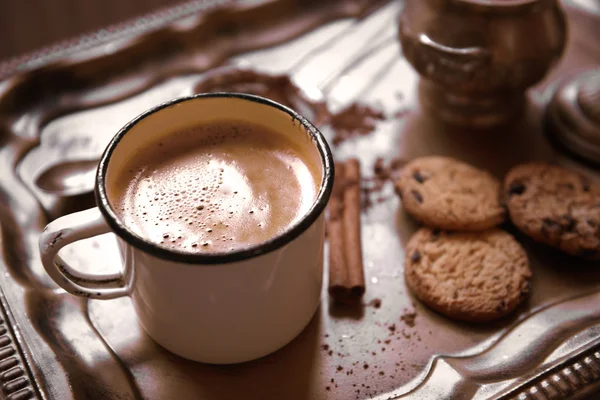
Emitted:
pixel 282 239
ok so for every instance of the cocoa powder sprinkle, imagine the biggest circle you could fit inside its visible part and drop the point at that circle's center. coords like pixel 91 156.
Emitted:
pixel 376 303
pixel 409 318
pixel 355 120
pixel 383 172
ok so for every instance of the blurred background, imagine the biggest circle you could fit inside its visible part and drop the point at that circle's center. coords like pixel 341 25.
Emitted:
pixel 29 25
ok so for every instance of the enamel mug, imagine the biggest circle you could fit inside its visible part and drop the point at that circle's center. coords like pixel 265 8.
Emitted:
pixel 216 308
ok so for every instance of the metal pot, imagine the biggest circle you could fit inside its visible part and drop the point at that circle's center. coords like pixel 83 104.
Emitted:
pixel 478 57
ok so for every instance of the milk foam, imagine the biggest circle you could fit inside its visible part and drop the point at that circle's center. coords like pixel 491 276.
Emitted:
pixel 215 188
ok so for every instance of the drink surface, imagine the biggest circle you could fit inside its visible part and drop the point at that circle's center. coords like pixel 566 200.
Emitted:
pixel 215 188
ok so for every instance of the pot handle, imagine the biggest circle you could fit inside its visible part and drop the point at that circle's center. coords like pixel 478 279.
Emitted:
pixel 442 63
pixel 466 54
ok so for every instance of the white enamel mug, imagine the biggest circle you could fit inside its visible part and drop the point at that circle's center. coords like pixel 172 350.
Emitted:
pixel 214 308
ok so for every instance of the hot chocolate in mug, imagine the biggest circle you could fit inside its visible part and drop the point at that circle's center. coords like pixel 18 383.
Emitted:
pixel 222 300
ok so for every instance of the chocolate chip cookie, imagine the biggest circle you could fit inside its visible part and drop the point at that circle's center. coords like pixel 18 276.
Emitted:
pixel 555 206
pixel 468 276
pixel 445 193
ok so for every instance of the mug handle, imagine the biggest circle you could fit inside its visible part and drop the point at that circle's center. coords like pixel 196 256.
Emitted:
pixel 71 228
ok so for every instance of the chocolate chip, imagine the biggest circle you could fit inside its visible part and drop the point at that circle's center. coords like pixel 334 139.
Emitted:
pixel 417 176
pixel 436 231
pixel 550 228
pixel 417 196
pixel 566 185
pixel 591 223
pixel 549 222
pixel 569 223
pixel 416 256
pixel 516 188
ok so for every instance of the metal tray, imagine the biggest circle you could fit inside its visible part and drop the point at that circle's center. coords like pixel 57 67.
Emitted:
pixel 66 103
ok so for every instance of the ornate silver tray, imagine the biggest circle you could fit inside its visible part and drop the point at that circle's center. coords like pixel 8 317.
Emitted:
pixel 64 104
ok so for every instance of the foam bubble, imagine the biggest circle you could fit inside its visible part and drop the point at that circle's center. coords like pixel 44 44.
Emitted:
pixel 205 191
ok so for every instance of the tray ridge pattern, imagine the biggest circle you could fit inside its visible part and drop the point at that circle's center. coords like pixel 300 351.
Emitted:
pixel 15 380
pixel 578 375
pixel 135 26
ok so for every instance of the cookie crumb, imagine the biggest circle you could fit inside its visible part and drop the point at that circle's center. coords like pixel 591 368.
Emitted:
pixel 376 303
pixel 383 172
pixel 409 318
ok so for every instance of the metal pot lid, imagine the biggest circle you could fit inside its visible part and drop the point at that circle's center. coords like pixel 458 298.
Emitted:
pixel 573 115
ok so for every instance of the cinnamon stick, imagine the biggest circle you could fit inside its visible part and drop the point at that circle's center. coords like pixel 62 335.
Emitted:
pixel 346 274
pixel 335 233
pixel 352 238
